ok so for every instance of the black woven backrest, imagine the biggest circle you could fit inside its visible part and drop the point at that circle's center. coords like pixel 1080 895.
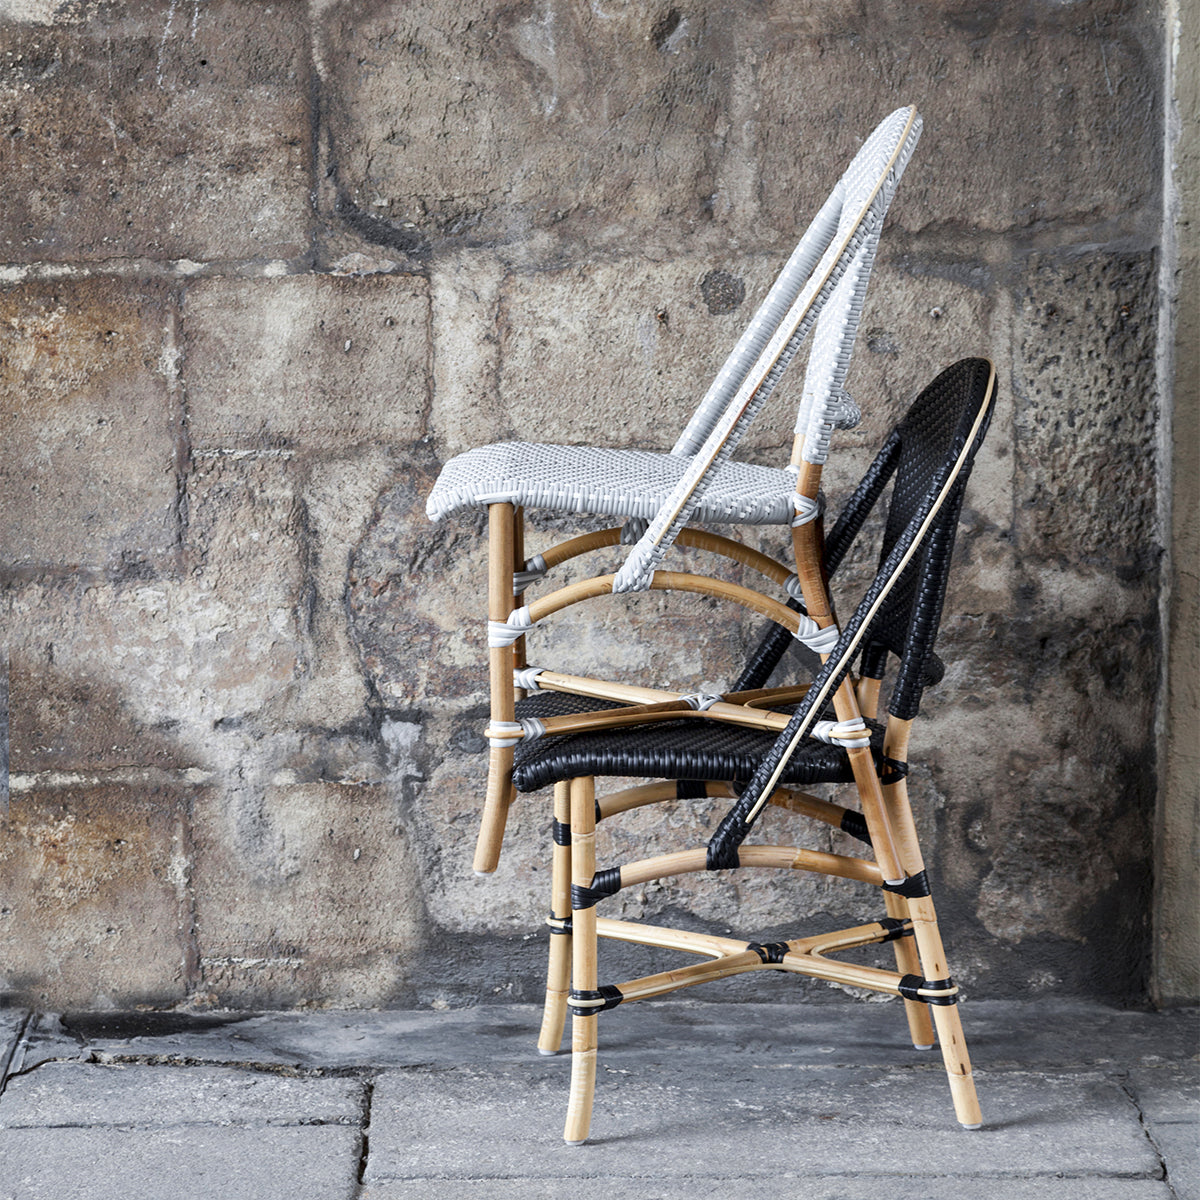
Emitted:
pixel 930 457
pixel 931 436
pixel 931 432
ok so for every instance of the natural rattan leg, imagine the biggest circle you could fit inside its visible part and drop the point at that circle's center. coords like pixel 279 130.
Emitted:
pixel 945 1016
pixel 908 962
pixel 558 973
pixel 583 960
pixel 500 662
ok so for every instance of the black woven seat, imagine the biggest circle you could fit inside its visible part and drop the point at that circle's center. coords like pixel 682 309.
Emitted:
pixel 693 749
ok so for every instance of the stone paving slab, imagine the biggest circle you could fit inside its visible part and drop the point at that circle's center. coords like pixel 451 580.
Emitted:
pixel 12 1023
pixel 784 1186
pixel 823 1101
pixel 318 1162
pixel 76 1094
pixel 1051 1035
pixel 1169 1099
pixel 465 1123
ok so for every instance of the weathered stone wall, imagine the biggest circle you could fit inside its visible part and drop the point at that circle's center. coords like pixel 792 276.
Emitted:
pixel 269 266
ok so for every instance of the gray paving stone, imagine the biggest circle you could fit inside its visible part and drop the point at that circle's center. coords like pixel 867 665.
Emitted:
pixel 784 1186
pixel 472 1123
pixel 1000 1035
pixel 12 1025
pixel 1169 1098
pixel 77 1094
pixel 313 1163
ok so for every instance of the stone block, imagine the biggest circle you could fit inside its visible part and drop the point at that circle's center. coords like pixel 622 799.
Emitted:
pixel 1168 1094
pixel 159 132
pixel 417 598
pixel 95 906
pixel 246 527
pixel 1047 120
pixel 925 310
pixel 166 667
pixel 304 894
pixel 489 122
pixel 620 353
pixel 318 1162
pixel 338 495
pixel 808 1187
pixel 141 673
pixel 1086 412
pixel 65 1094
pixel 75 715
pixel 306 361
pixel 87 480
pixel 464 298
pixel 1043 836
pixel 1070 1126
pixel 610 126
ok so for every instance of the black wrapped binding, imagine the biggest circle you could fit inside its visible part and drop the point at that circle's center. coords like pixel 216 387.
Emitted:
pixel 770 952
pixel 585 1004
pixel 910 988
pixel 604 883
pixel 913 887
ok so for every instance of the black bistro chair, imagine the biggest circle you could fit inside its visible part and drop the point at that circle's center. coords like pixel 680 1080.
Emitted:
pixel 763 755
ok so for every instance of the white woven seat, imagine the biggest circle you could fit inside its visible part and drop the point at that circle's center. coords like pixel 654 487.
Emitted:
pixel 615 483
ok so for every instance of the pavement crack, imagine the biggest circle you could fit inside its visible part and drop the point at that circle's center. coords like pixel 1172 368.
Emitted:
pixel 11 1066
pixel 1123 1083
pixel 364 1149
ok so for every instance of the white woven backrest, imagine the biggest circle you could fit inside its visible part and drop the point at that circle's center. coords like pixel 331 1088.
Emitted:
pixel 787 286
pixel 841 240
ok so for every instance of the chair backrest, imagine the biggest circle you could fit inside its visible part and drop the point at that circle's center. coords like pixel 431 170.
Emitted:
pixel 826 278
pixel 930 456
pixel 934 430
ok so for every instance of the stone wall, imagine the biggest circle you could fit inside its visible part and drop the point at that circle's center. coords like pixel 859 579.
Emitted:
pixel 268 266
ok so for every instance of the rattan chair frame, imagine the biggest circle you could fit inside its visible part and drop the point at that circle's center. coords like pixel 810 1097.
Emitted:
pixel 922 976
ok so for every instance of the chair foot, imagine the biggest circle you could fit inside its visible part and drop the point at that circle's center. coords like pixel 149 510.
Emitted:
pixel 581 1142
pixel 547 1053
pixel 923 1045
pixel 483 874
pixel 977 1125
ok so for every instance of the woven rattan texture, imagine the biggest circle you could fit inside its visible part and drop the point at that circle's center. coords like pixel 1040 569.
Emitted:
pixel 933 432
pixel 693 748
pixel 618 483
pixel 933 429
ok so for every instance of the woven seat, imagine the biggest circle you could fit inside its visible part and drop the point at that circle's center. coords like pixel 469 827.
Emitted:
pixel 663 497
pixel 615 483
pixel 685 750
pixel 714 751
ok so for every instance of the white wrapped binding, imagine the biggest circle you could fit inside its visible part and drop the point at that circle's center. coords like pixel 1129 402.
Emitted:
pixel 851 734
pixel 505 633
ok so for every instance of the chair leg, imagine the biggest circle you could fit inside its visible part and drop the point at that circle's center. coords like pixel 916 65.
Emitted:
pixel 945 1016
pixel 583 962
pixel 558 972
pixel 908 962
pixel 501 538
pixel 928 939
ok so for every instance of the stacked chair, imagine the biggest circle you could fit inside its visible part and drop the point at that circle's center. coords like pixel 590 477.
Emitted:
pixel 753 745
pixel 657 495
